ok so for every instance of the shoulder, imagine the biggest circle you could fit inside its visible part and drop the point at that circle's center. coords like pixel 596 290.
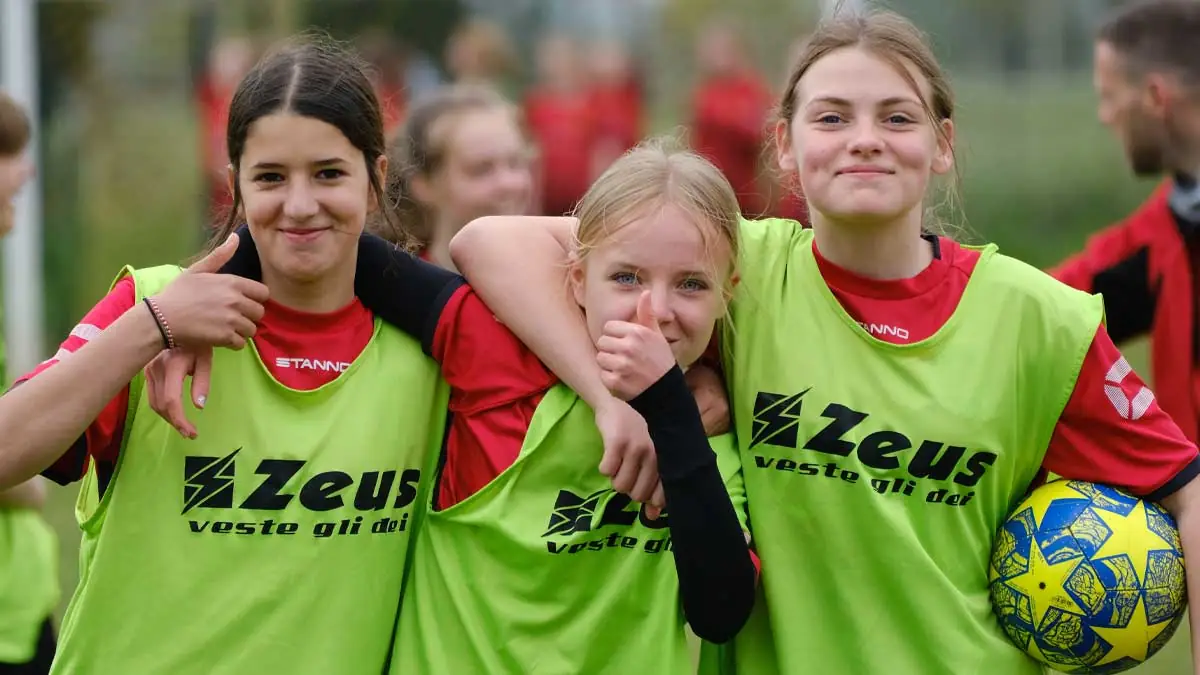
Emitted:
pixel 765 236
pixel 1028 282
pixel 1048 310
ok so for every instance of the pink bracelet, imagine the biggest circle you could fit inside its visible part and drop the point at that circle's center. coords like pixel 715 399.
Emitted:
pixel 161 322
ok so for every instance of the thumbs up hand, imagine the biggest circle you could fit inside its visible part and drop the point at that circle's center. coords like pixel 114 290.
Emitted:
pixel 633 355
pixel 205 309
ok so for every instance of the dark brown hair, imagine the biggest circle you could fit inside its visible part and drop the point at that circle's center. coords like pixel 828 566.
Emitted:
pixel 1157 35
pixel 14 127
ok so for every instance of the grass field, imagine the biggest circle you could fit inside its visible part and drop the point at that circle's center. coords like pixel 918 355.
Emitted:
pixel 1038 174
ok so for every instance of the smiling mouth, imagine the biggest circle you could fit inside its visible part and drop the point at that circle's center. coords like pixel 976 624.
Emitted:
pixel 304 235
pixel 865 172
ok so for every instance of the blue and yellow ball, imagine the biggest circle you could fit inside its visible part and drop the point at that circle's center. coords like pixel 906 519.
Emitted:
pixel 1088 579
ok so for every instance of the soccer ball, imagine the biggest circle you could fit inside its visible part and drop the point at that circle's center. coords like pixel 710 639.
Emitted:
pixel 1088 579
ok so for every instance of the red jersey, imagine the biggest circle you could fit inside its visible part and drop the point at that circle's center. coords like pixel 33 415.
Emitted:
pixel 562 126
pixel 1144 266
pixel 296 348
pixel 729 121
pixel 1094 440
pixel 213 101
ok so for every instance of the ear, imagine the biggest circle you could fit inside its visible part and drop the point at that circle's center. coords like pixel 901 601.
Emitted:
pixel 576 277
pixel 943 162
pixel 381 169
pixel 1160 93
pixel 783 146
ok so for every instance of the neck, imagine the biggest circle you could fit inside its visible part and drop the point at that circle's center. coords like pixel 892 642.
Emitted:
pixel 315 297
pixel 883 251
pixel 438 249
pixel 1185 131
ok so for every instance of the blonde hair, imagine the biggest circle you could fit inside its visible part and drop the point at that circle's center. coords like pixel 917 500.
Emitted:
pixel 899 42
pixel 654 174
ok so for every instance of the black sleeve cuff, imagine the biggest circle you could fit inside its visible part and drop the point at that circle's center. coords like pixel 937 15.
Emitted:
pixel 1172 486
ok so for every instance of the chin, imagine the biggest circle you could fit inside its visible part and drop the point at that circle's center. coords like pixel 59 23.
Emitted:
pixel 865 213
pixel 304 268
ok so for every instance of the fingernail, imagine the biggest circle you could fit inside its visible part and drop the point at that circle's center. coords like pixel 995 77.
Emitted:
pixel 200 401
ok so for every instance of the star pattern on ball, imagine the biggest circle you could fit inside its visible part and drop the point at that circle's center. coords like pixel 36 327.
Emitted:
pixel 1138 549
pixel 1140 626
pixel 1043 582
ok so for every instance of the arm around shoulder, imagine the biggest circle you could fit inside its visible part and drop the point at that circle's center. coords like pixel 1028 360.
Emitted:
pixel 518 266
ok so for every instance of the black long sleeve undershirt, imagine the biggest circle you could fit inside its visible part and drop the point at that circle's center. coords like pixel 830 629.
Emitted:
pixel 717 576
pixel 400 288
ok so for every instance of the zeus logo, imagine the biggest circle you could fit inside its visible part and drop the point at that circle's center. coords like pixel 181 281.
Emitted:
pixel 776 419
pixel 572 513
pixel 208 481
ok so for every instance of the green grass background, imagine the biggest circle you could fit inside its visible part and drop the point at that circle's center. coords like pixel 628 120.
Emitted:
pixel 1038 174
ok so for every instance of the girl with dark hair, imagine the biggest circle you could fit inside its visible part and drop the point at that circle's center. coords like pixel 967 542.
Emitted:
pixel 275 540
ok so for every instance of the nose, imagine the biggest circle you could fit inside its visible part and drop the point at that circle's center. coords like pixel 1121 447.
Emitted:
pixel 301 202
pixel 866 139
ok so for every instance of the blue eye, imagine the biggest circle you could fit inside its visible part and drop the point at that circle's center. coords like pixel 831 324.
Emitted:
pixel 625 278
pixel 694 285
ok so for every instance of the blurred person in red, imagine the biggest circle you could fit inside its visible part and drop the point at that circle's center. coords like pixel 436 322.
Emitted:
pixel 729 114
pixel 230 59
pixel 480 52
pixel 559 115
pixel 791 203
pixel 460 155
pixel 1147 64
pixel 388 62
pixel 617 102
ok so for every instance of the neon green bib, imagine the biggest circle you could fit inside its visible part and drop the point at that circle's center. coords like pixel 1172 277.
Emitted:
pixel 876 473
pixel 28 575
pixel 273 543
pixel 546 569
pixel 28 581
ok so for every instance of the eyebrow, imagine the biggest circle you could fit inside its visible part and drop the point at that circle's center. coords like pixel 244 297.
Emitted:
pixel 687 273
pixel 322 162
pixel 834 100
